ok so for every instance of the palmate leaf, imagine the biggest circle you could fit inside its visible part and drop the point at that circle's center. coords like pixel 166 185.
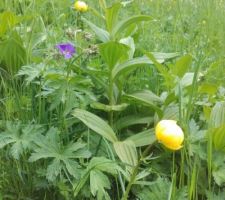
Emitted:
pixel 218 167
pixel 160 190
pixel 96 172
pixel 20 137
pixel 98 183
pixel 31 72
pixel 214 196
pixel 63 156
pixel 70 91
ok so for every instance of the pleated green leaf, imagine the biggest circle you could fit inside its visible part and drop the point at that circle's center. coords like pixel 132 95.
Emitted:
pixel 96 124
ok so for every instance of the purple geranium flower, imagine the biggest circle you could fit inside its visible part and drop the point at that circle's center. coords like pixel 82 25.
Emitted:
pixel 66 49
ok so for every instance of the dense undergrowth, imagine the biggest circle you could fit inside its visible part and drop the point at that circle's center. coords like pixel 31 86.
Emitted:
pixel 82 92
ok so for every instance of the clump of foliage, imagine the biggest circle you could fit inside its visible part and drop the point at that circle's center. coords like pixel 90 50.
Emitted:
pixel 85 87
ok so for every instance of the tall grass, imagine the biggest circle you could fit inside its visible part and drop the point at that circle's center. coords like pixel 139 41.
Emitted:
pixel 189 27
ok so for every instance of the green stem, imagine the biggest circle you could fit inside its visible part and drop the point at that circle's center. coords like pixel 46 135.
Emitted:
pixel 135 172
pixel 111 102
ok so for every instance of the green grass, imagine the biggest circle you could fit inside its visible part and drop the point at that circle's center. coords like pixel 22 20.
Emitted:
pixel 188 88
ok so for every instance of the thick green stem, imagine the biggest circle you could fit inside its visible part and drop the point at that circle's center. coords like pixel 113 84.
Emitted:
pixel 111 101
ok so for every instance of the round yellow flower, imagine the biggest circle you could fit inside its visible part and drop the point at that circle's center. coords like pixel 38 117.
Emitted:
pixel 169 134
pixel 81 6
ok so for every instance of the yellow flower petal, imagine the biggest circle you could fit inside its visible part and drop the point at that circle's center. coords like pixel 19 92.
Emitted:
pixel 80 6
pixel 169 134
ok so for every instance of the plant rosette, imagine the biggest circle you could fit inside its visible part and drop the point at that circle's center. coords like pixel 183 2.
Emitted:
pixel 80 6
pixel 169 134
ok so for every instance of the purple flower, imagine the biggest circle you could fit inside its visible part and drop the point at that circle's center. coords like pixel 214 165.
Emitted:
pixel 66 49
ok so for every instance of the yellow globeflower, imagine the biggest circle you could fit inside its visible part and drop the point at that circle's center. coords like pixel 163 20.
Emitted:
pixel 81 6
pixel 170 134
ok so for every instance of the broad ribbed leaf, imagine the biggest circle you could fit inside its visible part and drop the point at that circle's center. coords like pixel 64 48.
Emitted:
pixel 143 138
pixel 131 65
pixel 132 120
pixel 127 153
pixel 7 21
pixel 164 56
pixel 122 25
pixel 13 54
pixel 111 16
pixel 113 52
pixel 100 33
pixel 147 98
pixel 96 124
pixel 217 117
pixel 103 164
pixel 219 137
pixel 109 108
pixel 129 41
pixel 181 66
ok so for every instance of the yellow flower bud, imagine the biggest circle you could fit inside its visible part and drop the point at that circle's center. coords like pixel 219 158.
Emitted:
pixel 169 134
pixel 80 6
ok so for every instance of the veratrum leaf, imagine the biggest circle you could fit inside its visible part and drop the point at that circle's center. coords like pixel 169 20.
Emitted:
pixel 113 52
pixel 122 25
pixel 164 56
pixel 143 138
pixel 111 15
pixel 96 124
pixel 13 54
pixel 109 108
pixel 129 41
pixel 7 21
pixel 132 120
pixel 217 117
pixel 148 98
pixel 219 137
pixel 127 153
pixel 102 34
pixel 131 65
pixel 181 66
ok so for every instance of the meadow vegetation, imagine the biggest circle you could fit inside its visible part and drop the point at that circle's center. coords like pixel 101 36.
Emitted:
pixel 112 100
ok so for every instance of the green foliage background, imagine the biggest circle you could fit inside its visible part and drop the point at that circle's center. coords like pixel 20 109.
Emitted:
pixel 79 128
